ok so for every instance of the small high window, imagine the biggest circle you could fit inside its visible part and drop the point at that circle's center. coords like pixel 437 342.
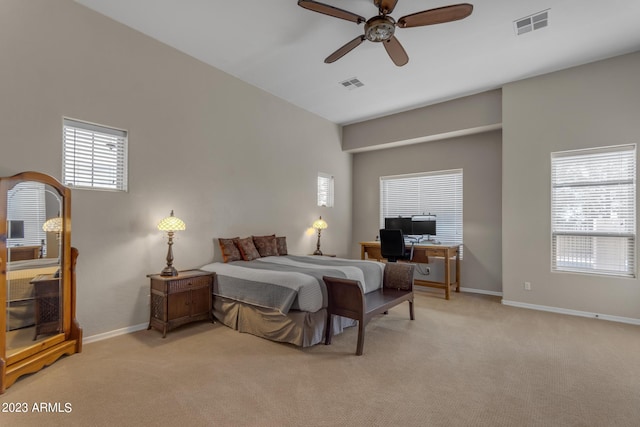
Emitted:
pixel 325 190
pixel 94 156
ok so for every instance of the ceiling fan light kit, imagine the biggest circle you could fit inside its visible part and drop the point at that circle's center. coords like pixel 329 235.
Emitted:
pixel 381 28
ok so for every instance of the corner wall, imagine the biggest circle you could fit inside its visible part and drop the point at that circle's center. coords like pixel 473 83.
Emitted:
pixel 593 105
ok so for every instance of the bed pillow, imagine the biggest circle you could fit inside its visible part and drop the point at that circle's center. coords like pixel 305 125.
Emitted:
pixel 281 244
pixel 248 249
pixel 266 245
pixel 229 248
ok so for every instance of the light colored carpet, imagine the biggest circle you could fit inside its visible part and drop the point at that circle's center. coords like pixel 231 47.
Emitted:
pixel 469 361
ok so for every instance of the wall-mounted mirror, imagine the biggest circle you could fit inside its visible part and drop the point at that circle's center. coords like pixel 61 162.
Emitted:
pixel 37 286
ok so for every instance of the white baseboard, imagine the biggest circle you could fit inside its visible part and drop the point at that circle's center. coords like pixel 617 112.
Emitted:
pixel 570 312
pixel 629 320
pixel 480 291
pixel 469 290
pixel 111 334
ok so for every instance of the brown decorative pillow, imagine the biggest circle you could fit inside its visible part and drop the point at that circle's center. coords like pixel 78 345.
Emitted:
pixel 281 243
pixel 266 245
pixel 248 249
pixel 230 251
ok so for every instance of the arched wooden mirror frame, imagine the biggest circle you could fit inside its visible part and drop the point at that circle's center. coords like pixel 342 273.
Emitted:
pixel 68 339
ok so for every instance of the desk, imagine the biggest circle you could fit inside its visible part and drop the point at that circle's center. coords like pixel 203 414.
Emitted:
pixel 21 253
pixel 421 254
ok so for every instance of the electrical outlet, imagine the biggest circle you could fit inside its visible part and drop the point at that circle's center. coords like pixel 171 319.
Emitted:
pixel 527 286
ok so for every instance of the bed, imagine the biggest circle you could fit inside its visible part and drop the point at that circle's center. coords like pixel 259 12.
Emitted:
pixel 20 290
pixel 283 298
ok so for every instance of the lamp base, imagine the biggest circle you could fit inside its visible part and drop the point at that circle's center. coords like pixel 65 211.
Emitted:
pixel 169 271
pixel 318 251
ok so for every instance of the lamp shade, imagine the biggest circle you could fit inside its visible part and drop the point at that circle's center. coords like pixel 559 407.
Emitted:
pixel 53 225
pixel 319 224
pixel 171 223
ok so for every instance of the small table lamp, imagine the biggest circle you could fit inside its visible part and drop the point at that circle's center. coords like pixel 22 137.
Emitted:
pixel 53 225
pixel 170 224
pixel 319 224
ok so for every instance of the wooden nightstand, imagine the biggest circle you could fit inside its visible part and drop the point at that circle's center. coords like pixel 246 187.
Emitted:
pixel 181 299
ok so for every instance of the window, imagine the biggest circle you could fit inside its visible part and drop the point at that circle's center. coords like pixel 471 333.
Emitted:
pixel 94 156
pixel 436 193
pixel 593 210
pixel 27 207
pixel 325 190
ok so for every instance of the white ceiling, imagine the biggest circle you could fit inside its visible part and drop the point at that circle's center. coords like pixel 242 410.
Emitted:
pixel 280 47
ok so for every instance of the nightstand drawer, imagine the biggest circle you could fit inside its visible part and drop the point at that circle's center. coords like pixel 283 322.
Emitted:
pixel 189 283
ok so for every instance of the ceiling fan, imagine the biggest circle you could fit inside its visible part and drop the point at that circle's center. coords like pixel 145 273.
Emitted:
pixel 381 27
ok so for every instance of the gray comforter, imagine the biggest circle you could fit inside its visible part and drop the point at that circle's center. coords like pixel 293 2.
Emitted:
pixel 289 282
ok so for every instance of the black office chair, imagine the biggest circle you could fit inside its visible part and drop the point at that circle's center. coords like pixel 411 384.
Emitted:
pixel 392 245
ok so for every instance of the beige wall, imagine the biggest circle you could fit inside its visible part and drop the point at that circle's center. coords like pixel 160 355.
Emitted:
pixel 592 105
pixel 462 116
pixel 480 158
pixel 229 158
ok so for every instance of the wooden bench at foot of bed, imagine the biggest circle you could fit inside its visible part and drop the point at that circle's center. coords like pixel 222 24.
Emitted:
pixel 347 298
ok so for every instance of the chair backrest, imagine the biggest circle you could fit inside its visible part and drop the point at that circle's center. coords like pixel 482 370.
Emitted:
pixel 392 243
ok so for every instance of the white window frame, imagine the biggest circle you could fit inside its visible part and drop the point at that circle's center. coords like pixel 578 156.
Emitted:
pixel 325 190
pixel 94 156
pixel 593 211
pixel 438 193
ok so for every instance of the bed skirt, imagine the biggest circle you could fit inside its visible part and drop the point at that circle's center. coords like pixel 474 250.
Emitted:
pixel 300 328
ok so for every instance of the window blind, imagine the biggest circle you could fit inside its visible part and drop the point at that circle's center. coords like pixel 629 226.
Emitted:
pixel 325 190
pixel 437 193
pixel 593 210
pixel 94 156
pixel 28 205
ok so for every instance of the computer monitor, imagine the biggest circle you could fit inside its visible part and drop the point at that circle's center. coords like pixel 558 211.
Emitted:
pixel 424 228
pixel 398 223
pixel 16 229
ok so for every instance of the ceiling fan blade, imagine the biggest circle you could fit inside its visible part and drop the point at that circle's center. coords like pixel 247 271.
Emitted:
pixel 436 16
pixel 385 6
pixel 396 52
pixel 331 11
pixel 344 50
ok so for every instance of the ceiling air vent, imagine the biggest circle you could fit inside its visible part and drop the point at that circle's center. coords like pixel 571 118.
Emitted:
pixel 531 22
pixel 352 83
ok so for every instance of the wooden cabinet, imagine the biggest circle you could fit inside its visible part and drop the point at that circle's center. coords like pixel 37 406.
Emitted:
pixel 181 299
